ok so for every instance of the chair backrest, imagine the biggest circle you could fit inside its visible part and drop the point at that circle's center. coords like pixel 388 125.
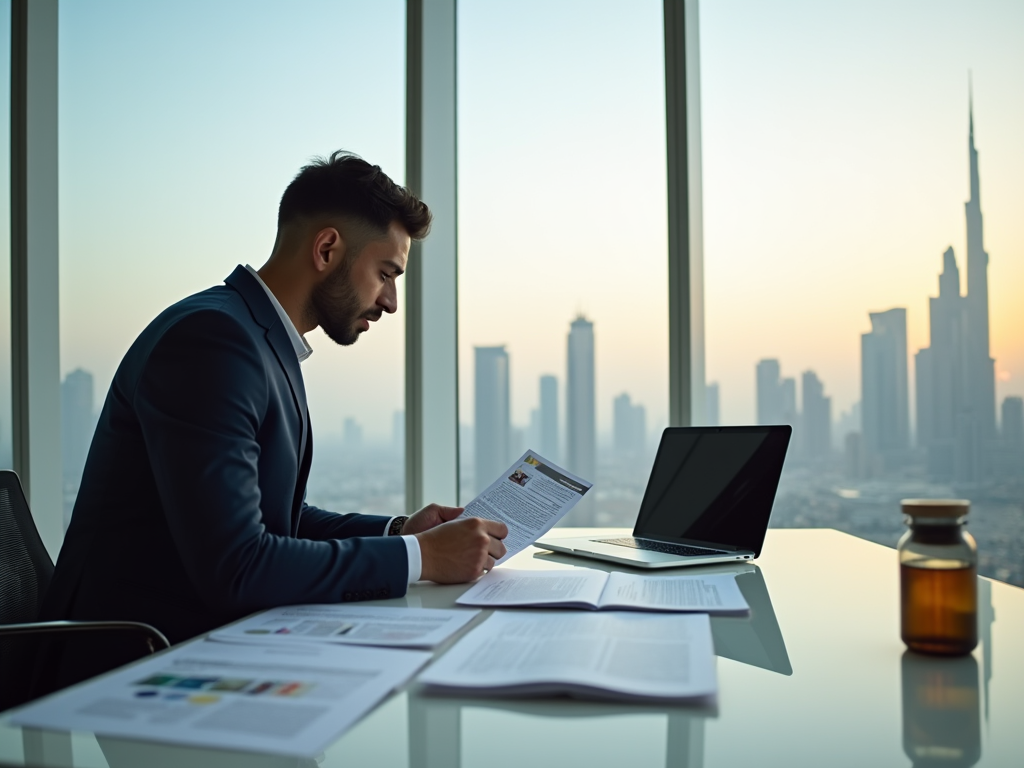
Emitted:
pixel 25 573
pixel 25 565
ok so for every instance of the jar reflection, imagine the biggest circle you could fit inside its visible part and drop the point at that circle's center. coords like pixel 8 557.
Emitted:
pixel 941 711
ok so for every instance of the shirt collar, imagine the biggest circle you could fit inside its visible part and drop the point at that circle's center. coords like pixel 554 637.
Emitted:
pixel 301 346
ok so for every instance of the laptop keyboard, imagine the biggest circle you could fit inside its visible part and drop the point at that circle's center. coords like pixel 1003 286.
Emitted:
pixel 659 546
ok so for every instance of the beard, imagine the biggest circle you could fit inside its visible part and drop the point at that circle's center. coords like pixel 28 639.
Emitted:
pixel 335 307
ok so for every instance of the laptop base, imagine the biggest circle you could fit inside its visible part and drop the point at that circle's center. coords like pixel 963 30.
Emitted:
pixel 586 546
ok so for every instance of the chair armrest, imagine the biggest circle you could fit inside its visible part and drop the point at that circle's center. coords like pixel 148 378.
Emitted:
pixel 155 639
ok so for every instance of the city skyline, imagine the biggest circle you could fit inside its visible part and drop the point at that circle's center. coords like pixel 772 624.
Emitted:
pixel 955 399
pixel 956 404
pixel 888 195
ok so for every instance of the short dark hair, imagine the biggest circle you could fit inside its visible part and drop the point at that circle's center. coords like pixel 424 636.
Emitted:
pixel 344 184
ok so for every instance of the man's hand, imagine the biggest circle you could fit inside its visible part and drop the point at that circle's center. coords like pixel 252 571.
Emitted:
pixel 461 550
pixel 429 517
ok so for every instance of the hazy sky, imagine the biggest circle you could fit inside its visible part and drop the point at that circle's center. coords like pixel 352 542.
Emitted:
pixel 562 189
pixel 835 172
pixel 836 169
pixel 181 124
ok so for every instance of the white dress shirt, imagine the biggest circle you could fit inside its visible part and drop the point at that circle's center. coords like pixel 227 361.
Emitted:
pixel 303 351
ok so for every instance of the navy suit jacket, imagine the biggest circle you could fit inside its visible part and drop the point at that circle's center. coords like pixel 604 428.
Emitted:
pixel 191 510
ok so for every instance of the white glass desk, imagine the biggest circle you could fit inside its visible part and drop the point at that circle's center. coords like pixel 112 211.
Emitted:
pixel 816 676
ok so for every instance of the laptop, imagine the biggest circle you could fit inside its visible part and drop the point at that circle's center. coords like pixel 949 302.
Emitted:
pixel 708 500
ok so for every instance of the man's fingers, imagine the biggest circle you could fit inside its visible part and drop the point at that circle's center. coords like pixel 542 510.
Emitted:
pixel 496 549
pixel 449 513
pixel 489 565
pixel 496 528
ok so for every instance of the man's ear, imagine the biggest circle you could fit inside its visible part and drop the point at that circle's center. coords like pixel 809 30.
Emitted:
pixel 328 249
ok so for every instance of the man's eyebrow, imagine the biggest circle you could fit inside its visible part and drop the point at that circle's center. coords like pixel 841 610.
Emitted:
pixel 396 270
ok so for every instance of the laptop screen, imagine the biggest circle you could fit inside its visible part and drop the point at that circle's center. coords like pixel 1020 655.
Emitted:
pixel 714 485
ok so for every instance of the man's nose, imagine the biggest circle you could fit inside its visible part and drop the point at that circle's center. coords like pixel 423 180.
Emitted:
pixel 388 298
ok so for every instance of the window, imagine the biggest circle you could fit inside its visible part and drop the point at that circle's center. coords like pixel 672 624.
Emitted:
pixel 6 420
pixel 563 289
pixel 845 255
pixel 181 123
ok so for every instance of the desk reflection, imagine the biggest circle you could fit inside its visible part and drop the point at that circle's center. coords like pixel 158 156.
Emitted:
pixel 941 711
pixel 436 738
pixel 125 753
pixel 755 639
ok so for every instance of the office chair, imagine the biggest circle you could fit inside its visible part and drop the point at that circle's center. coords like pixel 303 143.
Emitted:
pixel 25 573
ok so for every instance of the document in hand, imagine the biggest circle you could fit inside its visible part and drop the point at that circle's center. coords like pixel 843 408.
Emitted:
pixel 625 656
pixel 390 626
pixel 529 497
pixel 597 590
pixel 292 700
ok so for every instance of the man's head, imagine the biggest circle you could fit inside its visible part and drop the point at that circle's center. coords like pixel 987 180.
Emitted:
pixel 344 229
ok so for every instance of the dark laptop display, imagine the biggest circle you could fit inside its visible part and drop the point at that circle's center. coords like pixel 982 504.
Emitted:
pixel 714 486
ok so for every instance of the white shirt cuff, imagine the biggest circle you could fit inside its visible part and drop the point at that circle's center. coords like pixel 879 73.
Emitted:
pixel 412 549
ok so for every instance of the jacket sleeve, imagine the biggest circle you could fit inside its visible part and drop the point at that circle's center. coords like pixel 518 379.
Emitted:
pixel 200 400
pixel 320 525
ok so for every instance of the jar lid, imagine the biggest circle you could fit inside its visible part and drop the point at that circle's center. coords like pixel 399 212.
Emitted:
pixel 935 507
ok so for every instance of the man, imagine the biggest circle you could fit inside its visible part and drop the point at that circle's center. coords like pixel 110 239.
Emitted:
pixel 191 511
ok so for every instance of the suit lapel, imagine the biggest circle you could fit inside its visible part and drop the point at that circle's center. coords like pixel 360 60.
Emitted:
pixel 263 312
pixel 300 486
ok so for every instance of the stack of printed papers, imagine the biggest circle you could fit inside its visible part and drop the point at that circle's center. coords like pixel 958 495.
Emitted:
pixel 624 656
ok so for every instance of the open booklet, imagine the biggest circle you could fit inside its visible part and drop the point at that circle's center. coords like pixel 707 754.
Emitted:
pixel 627 656
pixel 529 497
pixel 597 590
pixel 385 625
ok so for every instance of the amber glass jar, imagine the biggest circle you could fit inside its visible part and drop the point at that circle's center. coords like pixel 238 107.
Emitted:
pixel 938 578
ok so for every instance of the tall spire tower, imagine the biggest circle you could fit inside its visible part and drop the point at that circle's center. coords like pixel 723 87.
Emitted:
pixel 956 385
pixel 979 416
pixel 977 259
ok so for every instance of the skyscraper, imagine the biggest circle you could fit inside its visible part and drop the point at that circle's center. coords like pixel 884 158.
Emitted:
pixel 713 404
pixel 580 409
pixel 352 434
pixel 76 423
pixel 548 427
pixel 787 397
pixel 769 393
pixel 816 418
pixel 940 391
pixel 1013 421
pixel 956 373
pixel 629 427
pixel 981 376
pixel 884 394
pixel 1008 456
pixel 492 437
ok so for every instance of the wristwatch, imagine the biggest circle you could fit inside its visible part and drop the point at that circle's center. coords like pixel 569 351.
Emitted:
pixel 397 524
